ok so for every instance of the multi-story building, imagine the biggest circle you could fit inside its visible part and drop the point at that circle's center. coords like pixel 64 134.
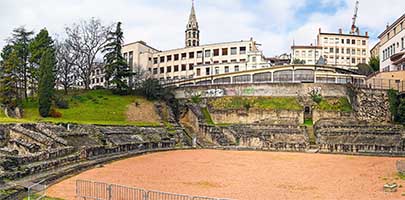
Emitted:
pixel 194 60
pixel 308 54
pixel 392 46
pixel 344 50
pixel 375 51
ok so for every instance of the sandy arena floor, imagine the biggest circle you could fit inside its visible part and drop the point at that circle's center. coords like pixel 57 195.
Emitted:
pixel 248 175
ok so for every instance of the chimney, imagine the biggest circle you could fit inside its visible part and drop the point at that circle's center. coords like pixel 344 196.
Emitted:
pixel 311 44
pixel 340 31
pixel 366 33
pixel 320 30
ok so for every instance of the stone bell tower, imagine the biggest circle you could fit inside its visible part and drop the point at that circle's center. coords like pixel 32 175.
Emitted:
pixel 192 31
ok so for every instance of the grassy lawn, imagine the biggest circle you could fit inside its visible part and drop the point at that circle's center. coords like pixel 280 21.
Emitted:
pixel 308 122
pixel 335 104
pixel 90 107
pixel 266 103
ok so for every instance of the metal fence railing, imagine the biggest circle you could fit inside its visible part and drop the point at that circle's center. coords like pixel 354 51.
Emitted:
pixel 90 190
pixel 386 84
pixel 37 191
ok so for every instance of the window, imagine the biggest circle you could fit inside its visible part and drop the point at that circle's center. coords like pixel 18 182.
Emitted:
pixel 125 56
pixel 216 70
pixel 348 51
pixel 169 58
pixel 236 68
pixel 191 67
pixel 207 71
pixel 198 72
pixel 216 62
pixel 347 41
pixel 225 51
pixel 234 51
pixel 176 57
pixel 242 50
pixel 253 59
pixel 343 41
pixel 162 70
pixel 155 70
pixel 242 60
pixel 155 60
pixel 353 41
pixel 353 51
pixel 363 42
pixel 364 52
pixel 330 50
pixel 176 68
pixel 226 69
pixel 162 59
pixel 207 53
pixel 216 52
pixel 183 67
pixel 337 50
pixel 191 55
pixel 199 54
pixel 224 61
pixel 184 56
pixel 353 60
pixel 402 43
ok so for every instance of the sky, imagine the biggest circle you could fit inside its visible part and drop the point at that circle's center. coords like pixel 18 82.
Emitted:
pixel 274 24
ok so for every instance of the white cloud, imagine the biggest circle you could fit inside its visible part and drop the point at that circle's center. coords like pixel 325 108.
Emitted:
pixel 161 23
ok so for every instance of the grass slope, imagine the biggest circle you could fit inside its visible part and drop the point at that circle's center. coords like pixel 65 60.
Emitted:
pixel 89 107
pixel 335 104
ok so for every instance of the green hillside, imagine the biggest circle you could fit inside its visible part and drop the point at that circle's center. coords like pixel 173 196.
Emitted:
pixel 88 107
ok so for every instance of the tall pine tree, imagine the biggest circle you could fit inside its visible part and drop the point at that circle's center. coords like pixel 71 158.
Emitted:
pixel 116 67
pixel 8 81
pixel 37 47
pixel 46 81
pixel 21 40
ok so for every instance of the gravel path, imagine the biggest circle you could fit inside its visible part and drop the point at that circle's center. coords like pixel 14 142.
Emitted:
pixel 248 175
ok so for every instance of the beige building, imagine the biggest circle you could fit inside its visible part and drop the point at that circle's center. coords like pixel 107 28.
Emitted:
pixel 309 54
pixel 392 46
pixel 375 51
pixel 344 50
pixel 388 80
pixel 194 60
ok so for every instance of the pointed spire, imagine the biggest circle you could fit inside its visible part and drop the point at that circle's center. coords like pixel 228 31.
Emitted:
pixel 193 18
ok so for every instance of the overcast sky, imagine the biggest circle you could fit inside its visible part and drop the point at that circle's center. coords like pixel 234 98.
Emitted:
pixel 161 23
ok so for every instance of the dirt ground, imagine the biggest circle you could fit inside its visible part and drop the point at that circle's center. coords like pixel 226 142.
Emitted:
pixel 143 112
pixel 249 175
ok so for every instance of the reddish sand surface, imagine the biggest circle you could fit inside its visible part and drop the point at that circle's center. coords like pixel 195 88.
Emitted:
pixel 248 175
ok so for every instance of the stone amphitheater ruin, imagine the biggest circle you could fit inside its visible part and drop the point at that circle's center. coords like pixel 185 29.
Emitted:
pixel 33 152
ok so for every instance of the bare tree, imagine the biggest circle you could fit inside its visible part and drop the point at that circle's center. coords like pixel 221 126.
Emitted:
pixel 139 75
pixel 66 74
pixel 86 41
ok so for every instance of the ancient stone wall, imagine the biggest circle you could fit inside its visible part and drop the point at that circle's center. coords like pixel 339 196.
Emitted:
pixel 321 114
pixel 256 116
pixel 354 136
pixel 268 89
pixel 265 137
pixel 370 105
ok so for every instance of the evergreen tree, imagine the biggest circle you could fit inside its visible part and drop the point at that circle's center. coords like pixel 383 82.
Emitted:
pixel 37 47
pixel 116 67
pixel 46 81
pixel 8 81
pixel 21 40
pixel 374 63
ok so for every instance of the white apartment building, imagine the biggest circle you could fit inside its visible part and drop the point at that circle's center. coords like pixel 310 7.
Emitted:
pixel 309 54
pixel 392 47
pixel 344 50
pixel 194 60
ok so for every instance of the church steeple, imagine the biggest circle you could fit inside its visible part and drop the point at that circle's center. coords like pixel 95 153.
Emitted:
pixel 192 31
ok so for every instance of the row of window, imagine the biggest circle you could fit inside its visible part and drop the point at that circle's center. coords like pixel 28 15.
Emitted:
pixel 346 60
pixel 389 51
pixel 216 70
pixel 97 80
pixel 305 53
pixel 343 41
pixel 199 54
pixel 394 31
pixel 348 51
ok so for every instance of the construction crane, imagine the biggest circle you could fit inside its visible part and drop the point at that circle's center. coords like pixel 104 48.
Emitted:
pixel 355 29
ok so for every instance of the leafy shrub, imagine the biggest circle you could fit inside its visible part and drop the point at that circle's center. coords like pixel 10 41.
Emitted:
pixel 316 95
pixel 196 99
pixel 55 114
